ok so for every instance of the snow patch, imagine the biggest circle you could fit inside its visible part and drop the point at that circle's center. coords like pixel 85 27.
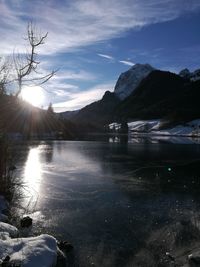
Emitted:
pixel 188 133
pixel 4 235
pixel 191 128
pixel 10 229
pixel 114 126
pixel 40 251
pixel 144 126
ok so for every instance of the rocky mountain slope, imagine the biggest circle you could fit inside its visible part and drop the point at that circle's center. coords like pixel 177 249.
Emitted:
pixel 129 80
pixel 100 112
pixel 146 93
pixel 152 98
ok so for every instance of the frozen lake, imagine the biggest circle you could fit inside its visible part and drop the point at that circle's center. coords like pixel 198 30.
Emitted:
pixel 109 199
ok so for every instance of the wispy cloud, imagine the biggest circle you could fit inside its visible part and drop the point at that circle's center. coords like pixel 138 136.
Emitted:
pixel 57 84
pixel 74 24
pixel 80 75
pixel 110 58
pixel 125 62
pixel 61 93
pixel 81 99
pixel 57 91
pixel 78 24
pixel 106 56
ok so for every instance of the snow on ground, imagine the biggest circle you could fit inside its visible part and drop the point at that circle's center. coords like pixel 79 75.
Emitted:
pixel 10 229
pixel 178 130
pixel 115 126
pixel 40 251
pixel 4 235
pixel 143 126
pixel 191 128
pixel 151 127
pixel 187 133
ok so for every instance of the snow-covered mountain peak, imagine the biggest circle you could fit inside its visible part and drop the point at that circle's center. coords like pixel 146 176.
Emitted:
pixel 141 67
pixel 130 79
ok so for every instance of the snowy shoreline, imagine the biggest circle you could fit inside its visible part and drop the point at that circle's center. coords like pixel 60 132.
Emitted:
pixel 153 129
pixel 31 251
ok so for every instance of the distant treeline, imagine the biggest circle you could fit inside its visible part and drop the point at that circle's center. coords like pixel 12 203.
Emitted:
pixel 18 116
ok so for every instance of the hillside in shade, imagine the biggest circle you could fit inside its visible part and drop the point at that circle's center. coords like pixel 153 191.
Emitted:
pixel 100 112
pixel 160 95
pixel 145 93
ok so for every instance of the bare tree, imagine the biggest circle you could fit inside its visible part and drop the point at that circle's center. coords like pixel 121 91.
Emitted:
pixel 4 75
pixel 26 65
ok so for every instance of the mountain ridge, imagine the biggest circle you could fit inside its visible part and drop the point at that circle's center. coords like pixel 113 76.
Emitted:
pixel 129 80
pixel 154 94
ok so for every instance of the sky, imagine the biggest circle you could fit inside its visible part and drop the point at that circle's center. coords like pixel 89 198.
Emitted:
pixel 91 42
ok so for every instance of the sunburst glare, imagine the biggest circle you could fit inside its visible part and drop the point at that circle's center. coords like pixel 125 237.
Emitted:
pixel 33 94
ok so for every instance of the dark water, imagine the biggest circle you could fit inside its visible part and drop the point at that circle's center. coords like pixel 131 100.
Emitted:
pixel 115 202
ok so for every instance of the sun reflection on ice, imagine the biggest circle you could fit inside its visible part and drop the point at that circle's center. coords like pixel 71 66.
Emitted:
pixel 33 174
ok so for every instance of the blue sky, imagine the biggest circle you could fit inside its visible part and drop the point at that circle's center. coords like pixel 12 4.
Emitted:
pixel 92 41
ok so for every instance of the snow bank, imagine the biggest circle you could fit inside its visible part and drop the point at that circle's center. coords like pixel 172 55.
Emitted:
pixel 144 126
pixel 10 229
pixel 178 130
pixel 191 128
pixel 40 251
pixel 137 126
pixel 187 133
pixel 114 126
pixel 4 235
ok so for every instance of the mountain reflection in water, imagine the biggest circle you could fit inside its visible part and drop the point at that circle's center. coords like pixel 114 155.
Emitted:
pixel 120 204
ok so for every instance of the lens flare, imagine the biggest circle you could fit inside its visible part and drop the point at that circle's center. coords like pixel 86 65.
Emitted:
pixel 33 95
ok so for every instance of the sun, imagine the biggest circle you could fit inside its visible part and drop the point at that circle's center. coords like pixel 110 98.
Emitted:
pixel 33 94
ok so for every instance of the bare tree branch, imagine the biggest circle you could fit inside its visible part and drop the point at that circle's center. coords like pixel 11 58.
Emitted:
pixel 26 64
pixel 41 80
pixel 4 74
